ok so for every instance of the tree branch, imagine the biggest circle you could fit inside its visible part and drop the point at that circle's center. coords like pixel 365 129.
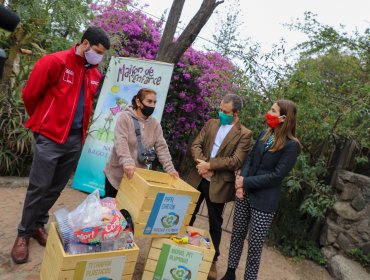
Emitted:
pixel 170 28
pixel 194 27
pixel 172 51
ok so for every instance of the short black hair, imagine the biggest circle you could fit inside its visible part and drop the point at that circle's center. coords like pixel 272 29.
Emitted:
pixel 95 35
pixel 235 99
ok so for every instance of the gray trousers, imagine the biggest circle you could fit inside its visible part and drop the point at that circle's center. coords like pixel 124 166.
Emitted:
pixel 51 169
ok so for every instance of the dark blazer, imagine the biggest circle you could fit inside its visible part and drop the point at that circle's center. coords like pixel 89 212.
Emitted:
pixel 230 157
pixel 264 172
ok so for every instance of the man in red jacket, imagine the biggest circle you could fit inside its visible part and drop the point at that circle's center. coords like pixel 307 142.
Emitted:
pixel 58 97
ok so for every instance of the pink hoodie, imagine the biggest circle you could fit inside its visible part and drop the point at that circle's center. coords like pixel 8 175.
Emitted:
pixel 124 151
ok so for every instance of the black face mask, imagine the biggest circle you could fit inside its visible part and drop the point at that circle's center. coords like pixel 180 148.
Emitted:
pixel 146 110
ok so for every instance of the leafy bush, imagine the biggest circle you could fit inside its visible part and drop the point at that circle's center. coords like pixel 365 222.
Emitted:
pixel 15 140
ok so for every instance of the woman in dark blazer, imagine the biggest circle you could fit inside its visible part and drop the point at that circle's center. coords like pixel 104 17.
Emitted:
pixel 258 186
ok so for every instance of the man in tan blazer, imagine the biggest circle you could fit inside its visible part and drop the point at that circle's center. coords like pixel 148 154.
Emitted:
pixel 218 151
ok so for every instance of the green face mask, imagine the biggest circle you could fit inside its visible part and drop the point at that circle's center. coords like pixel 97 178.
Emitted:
pixel 225 119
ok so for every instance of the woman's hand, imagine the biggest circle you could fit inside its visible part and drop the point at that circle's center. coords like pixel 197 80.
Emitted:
pixel 239 182
pixel 239 188
pixel 129 171
pixel 240 193
pixel 174 174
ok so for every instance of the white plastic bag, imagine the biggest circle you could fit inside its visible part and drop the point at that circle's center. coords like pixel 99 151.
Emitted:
pixel 90 213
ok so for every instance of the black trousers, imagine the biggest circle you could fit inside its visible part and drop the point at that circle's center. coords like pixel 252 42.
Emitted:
pixel 52 166
pixel 214 215
pixel 110 191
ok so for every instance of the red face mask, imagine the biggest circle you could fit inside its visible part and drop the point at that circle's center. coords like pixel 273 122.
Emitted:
pixel 272 120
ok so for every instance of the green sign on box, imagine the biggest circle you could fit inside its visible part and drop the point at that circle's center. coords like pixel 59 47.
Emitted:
pixel 177 263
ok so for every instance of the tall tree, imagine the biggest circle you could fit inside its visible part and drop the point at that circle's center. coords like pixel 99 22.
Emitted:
pixel 170 50
pixel 227 36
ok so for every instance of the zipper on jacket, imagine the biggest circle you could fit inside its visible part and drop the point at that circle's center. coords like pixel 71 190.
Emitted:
pixel 74 108
pixel 47 112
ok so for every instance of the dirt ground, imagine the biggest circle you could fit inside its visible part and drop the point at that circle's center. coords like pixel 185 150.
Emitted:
pixel 274 265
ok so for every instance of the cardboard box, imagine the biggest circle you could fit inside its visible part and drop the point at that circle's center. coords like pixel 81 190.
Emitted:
pixel 145 197
pixel 157 246
pixel 57 264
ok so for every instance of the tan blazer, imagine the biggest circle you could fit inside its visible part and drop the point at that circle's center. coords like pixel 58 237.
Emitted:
pixel 228 159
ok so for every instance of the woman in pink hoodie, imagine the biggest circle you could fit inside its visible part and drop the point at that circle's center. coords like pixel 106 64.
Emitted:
pixel 124 157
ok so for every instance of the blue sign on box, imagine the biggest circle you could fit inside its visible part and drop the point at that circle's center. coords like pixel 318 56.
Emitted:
pixel 167 214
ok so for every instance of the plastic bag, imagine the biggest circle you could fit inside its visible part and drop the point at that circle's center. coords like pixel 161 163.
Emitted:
pixel 89 214
pixel 95 225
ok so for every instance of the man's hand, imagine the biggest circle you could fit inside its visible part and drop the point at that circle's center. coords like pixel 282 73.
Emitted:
pixel 129 171
pixel 203 166
pixel 207 175
pixel 174 174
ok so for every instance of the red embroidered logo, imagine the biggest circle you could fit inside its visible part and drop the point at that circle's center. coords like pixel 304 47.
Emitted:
pixel 68 76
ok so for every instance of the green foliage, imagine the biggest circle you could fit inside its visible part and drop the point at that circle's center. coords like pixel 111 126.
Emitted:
pixel 305 250
pixel 319 200
pixel 15 140
pixel 227 35
pixel 308 176
pixel 359 256
pixel 291 231
pixel 332 94
pixel 52 25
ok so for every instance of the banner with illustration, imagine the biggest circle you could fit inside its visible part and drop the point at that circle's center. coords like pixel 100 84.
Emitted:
pixel 177 263
pixel 167 214
pixel 124 78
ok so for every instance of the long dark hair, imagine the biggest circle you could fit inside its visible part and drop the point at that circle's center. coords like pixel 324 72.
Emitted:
pixel 142 93
pixel 285 129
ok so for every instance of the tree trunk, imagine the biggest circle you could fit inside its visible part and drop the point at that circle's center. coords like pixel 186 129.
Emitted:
pixel 170 28
pixel 170 51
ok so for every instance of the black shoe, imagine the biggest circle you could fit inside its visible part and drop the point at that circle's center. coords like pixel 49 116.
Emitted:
pixel 230 274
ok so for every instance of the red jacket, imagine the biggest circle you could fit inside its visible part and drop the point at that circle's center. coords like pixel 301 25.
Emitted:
pixel 52 92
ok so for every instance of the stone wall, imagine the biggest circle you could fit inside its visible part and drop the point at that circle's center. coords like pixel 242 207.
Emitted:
pixel 347 226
